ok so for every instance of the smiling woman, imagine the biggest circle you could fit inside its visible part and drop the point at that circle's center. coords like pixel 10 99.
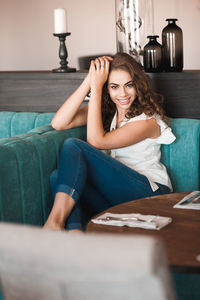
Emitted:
pixel 130 74
pixel 124 118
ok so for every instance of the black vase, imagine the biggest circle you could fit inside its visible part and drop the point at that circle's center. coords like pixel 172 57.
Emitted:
pixel 172 41
pixel 153 55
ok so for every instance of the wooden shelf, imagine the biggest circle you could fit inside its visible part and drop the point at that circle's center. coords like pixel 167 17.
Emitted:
pixel 44 91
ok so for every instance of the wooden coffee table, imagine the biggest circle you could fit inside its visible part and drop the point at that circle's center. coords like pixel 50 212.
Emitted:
pixel 181 237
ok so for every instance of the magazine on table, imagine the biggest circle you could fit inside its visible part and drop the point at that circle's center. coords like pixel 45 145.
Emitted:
pixel 191 201
pixel 133 220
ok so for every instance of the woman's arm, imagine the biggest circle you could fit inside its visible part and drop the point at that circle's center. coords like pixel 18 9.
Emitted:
pixel 69 114
pixel 128 134
pixel 99 70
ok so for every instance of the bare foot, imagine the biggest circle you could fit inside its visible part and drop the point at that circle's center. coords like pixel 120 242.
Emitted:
pixel 75 231
pixel 53 226
pixel 62 207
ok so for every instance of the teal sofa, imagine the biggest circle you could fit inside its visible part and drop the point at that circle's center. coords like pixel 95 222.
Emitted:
pixel 29 152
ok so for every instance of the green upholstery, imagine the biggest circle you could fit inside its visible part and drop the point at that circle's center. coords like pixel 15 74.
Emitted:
pixel 1 295
pixel 14 123
pixel 182 158
pixel 187 285
pixel 26 163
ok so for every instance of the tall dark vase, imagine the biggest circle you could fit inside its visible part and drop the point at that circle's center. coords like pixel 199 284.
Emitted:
pixel 172 41
pixel 153 55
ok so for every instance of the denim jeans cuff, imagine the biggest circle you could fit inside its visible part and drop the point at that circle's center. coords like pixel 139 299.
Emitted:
pixel 72 226
pixel 63 188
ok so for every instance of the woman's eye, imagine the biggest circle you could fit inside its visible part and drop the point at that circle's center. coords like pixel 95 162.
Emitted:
pixel 113 87
pixel 130 85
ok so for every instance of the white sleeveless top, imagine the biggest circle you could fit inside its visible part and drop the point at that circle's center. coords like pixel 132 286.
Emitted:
pixel 144 156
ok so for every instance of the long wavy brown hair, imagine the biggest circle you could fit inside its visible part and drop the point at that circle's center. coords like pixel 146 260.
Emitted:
pixel 146 101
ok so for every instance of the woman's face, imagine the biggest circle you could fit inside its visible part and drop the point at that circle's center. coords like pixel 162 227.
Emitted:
pixel 121 89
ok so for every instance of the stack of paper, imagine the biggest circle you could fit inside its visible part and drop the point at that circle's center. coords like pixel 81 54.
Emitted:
pixel 191 201
pixel 133 220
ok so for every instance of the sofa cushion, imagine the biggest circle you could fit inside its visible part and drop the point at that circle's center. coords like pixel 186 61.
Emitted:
pixel 14 123
pixel 182 157
pixel 46 265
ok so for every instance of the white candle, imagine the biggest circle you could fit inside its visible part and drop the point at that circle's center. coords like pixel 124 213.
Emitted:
pixel 60 20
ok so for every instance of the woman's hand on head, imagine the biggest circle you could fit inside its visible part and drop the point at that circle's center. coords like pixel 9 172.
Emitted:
pixel 99 71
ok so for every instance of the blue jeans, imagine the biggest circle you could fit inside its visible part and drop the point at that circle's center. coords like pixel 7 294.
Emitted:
pixel 96 182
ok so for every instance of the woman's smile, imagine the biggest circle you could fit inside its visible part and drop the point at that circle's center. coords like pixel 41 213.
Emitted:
pixel 125 101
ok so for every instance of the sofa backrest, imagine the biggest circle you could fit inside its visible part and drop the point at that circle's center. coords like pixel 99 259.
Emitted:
pixel 182 157
pixel 14 123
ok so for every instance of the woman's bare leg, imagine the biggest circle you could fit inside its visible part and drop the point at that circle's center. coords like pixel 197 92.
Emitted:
pixel 62 207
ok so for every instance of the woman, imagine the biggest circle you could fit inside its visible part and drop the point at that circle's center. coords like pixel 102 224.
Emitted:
pixel 124 119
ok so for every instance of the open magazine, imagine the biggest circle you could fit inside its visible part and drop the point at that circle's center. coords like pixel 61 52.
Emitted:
pixel 133 220
pixel 191 201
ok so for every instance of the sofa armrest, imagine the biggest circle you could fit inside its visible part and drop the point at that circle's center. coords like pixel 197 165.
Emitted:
pixel 26 162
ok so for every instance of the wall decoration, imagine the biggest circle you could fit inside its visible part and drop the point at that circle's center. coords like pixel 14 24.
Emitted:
pixel 172 41
pixel 134 22
pixel 153 55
